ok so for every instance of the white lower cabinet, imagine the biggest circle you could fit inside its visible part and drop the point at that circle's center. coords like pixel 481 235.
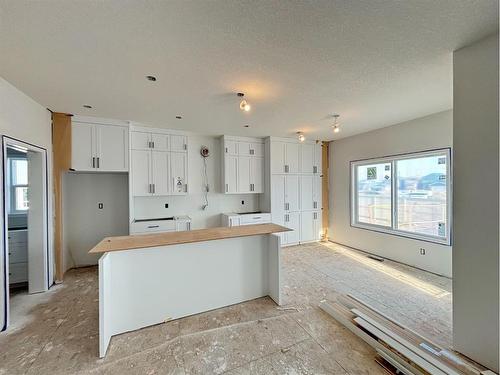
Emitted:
pixel 18 256
pixel 310 226
pixel 292 221
pixel 140 173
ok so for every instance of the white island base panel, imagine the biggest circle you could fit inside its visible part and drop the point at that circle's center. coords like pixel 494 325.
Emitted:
pixel 143 287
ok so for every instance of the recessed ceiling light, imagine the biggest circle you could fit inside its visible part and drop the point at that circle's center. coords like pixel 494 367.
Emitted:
pixel 178 117
pixel 246 126
pixel 151 78
pixel 87 106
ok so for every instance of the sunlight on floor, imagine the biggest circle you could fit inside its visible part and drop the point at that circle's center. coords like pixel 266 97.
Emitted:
pixel 389 271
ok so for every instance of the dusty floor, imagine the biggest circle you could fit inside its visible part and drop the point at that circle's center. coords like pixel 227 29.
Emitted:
pixel 57 332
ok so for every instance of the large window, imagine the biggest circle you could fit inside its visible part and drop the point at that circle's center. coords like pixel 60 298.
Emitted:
pixel 407 195
pixel 18 181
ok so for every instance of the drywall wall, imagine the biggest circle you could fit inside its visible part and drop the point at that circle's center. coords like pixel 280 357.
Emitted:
pixel 476 224
pixel 85 224
pixel 24 119
pixel 153 207
pixel 426 133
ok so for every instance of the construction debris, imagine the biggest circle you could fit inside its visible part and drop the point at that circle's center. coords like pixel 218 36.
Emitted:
pixel 399 349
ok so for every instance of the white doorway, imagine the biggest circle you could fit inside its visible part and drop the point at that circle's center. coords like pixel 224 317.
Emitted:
pixel 25 261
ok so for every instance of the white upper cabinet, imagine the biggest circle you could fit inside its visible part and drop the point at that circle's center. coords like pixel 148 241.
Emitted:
pixel 140 168
pixel 307 192
pixel 160 142
pixel 178 143
pixel 318 158
pixel 112 148
pixel 292 158
pixel 278 157
pixel 82 146
pixel 307 158
pixel 292 193
pixel 99 147
pixel 242 165
pixel 159 162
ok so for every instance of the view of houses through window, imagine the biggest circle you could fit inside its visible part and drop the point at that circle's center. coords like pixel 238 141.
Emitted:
pixel 406 195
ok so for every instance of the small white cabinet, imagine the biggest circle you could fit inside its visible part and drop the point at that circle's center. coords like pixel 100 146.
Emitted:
pixel 159 163
pixel 242 165
pixel 99 147
pixel 310 226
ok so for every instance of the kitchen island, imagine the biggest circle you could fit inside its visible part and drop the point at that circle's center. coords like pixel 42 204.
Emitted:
pixel 153 278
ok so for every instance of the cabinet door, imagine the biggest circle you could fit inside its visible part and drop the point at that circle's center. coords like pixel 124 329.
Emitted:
pixel 292 157
pixel 243 148
pixel 140 172
pixel 307 158
pixel 112 154
pixel 243 174
pixel 83 152
pixel 230 147
pixel 307 226
pixel 257 174
pixel 278 198
pixel 292 222
pixel 317 192
pixel 178 143
pixel 292 197
pixel 178 173
pixel 256 149
pixel 160 172
pixel 307 192
pixel 140 140
pixel 318 225
pixel 318 158
pixel 230 174
pixel 277 157
pixel 159 142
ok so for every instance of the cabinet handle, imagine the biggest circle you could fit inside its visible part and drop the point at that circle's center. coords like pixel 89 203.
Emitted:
pixel 226 150
pixel 315 169
pixel 149 144
pixel 153 143
pixel 189 225
pixel 154 188
pixel 98 162
pixel 153 226
pixel 185 146
pixel 93 162
pixel 315 215
pixel 287 168
pixel 227 189
pixel 149 189
pixel 252 152
pixel 315 204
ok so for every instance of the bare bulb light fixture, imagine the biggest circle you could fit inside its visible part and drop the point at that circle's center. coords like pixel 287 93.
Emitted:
pixel 301 136
pixel 336 125
pixel 244 106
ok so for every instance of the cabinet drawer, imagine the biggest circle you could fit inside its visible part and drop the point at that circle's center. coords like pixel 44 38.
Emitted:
pixel 152 226
pixel 18 252
pixel 18 272
pixel 16 236
pixel 255 219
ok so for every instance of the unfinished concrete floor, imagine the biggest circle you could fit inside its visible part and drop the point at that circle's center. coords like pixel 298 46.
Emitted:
pixel 57 332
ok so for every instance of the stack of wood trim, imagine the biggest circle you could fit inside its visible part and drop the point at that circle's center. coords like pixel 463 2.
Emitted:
pixel 399 349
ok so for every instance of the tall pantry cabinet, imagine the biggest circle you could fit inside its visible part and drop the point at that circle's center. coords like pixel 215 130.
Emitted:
pixel 294 192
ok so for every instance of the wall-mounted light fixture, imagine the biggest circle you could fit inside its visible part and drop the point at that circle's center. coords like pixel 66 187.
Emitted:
pixel 301 136
pixel 244 106
pixel 336 125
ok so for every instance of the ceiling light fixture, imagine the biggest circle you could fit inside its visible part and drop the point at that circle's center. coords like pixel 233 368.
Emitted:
pixel 151 78
pixel 336 125
pixel 178 117
pixel 301 136
pixel 87 106
pixel 244 106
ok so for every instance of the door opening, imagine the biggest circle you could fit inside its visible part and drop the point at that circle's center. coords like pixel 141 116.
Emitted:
pixel 25 259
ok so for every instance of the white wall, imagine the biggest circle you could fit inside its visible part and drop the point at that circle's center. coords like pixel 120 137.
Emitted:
pixel 154 207
pixel 430 132
pixel 84 223
pixel 476 224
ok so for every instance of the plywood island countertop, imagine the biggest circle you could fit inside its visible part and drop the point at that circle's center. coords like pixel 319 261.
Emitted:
pixel 140 241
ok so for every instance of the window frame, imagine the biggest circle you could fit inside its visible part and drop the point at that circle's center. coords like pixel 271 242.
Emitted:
pixel 12 188
pixel 393 230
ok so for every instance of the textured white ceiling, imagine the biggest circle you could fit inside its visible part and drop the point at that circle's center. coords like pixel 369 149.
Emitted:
pixel 375 62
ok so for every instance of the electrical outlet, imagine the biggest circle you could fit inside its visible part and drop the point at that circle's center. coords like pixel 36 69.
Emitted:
pixel 166 205
pixel 242 202
pixel 101 206
pixel 422 251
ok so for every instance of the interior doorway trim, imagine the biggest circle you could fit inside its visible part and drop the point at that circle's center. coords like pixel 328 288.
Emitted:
pixel 11 141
